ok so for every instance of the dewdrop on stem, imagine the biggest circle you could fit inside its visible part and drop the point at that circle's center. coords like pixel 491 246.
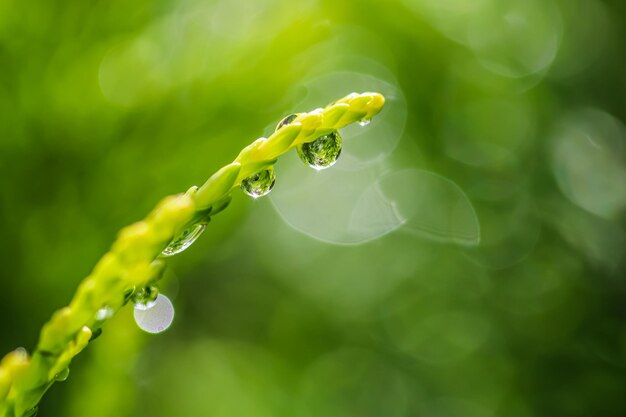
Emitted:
pixel 62 376
pixel 185 239
pixel 259 184
pixel 323 152
pixel 145 298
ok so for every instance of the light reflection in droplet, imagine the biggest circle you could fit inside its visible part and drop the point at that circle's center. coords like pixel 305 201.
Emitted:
pixel 157 318
pixel 145 298
pixel 323 152
pixel 259 184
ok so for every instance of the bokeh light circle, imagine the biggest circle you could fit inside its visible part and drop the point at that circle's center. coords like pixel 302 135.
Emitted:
pixel 157 318
pixel 335 205
pixel 589 161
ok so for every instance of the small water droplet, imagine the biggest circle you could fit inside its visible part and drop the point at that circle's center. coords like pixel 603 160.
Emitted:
pixel 145 298
pixel 323 152
pixel 95 334
pixel 287 120
pixel 32 412
pixel 184 239
pixel 62 376
pixel 157 318
pixel 259 184
pixel 364 122
pixel 128 294
pixel 104 313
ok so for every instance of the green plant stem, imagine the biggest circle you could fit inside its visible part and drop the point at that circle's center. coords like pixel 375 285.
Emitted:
pixel 134 258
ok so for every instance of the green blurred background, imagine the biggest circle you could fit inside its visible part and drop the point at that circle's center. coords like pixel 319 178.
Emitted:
pixel 356 291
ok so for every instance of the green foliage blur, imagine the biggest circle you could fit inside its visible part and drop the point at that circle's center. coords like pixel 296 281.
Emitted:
pixel 512 112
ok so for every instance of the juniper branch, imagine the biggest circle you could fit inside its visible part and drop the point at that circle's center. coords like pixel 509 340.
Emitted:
pixel 134 258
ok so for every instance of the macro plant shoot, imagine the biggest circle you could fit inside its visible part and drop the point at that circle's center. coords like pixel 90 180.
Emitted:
pixel 236 208
pixel 130 271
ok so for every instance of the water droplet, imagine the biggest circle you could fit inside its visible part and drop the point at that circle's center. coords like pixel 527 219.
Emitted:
pixel 128 294
pixel 157 318
pixel 364 122
pixel 287 120
pixel 145 298
pixel 31 413
pixel 104 313
pixel 184 239
pixel 62 376
pixel 96 333
pixel 323 152
pixel 259 184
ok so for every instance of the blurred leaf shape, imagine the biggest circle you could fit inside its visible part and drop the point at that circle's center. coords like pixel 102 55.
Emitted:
pixel 431 206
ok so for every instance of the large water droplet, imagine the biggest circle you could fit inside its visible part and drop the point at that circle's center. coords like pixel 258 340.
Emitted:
pixel 364 122
pixel 62 376
pixel 104 313
pixel 184 239
pixel 157 318
pixel 323 152
pixel 286 120
pixel 145 298
pixel 259 184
